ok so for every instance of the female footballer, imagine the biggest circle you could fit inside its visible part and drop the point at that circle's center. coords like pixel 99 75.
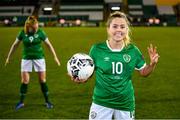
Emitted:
pixel 115 60
pixel 33 57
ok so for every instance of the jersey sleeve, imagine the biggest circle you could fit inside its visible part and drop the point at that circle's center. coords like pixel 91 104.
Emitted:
pixel 43 36
pixel 140 62
pixel 92 52
pixel 20 35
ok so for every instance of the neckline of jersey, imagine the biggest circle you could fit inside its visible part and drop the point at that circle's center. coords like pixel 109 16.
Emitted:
pixel 114 50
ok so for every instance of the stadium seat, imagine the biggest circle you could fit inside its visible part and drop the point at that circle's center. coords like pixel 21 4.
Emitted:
pixel 165 10
pixel 94 12
pixel 149 2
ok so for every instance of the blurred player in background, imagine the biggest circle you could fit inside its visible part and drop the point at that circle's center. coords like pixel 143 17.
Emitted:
pixel 33 56
pixel 115 60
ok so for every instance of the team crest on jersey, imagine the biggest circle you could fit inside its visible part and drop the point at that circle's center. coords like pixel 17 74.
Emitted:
pixel 36 35
pixel 93 114
pixel 126 58
pixel 31 38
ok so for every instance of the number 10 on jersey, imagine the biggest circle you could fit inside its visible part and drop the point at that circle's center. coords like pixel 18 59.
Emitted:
pixel 117 67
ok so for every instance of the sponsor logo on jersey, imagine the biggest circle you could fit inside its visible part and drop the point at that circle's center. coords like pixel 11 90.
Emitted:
pixel 106 59
pixel 127 58
pixel 117 77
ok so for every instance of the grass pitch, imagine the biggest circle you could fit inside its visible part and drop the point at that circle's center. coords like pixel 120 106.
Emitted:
pixel 156 96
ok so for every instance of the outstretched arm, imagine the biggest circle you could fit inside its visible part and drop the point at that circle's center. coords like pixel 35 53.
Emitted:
pixel 12 49
pixel 154 56
pixel 49 45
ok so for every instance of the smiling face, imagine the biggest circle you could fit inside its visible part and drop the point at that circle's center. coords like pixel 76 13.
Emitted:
pixel 117 29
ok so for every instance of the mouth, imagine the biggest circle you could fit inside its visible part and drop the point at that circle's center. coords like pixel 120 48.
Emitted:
pixel 118 34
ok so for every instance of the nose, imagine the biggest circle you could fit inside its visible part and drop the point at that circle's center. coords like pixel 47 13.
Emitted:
pixel 119 29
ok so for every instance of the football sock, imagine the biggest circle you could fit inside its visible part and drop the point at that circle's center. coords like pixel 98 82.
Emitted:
pixel 23 91
pixel 44 89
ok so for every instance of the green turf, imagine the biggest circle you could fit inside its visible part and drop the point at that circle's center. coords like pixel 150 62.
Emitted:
pixel 156 96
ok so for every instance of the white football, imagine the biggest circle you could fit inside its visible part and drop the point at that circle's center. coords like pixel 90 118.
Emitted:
pixel 80 66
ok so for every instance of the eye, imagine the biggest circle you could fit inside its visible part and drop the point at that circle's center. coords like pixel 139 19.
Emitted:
pixel 115 26
pixel 122 26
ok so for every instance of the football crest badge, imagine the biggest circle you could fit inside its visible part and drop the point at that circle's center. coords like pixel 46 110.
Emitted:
pixel 127 58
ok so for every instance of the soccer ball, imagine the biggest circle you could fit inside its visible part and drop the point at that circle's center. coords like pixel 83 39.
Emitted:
pixel 80 66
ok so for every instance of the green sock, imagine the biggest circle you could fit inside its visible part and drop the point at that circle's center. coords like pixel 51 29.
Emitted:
pixel 44 89
pixel 23 91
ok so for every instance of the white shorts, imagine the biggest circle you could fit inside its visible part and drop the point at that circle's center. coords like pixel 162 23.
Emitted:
pixel 98 112
pixel 39 65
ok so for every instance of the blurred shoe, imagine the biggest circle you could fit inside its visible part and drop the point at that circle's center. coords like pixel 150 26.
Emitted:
pixel 19 105
pixel 49 105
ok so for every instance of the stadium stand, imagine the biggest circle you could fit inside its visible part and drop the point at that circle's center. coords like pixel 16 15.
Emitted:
pixel 156 10
pixel 89 10
pixel 21 12
pixel 149 8
pixel 16 10
pixel 94 11
pixel 165 10
pixel 135 10
pixel 149 2
pixel 150 11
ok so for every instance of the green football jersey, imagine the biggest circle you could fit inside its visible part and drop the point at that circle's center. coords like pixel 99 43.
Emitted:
pixel 113 70
pixel 32 44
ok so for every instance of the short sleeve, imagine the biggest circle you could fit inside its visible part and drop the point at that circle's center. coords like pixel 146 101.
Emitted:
pixel 20 35
pixel 43 35
pixel 140 62
pixel 92 52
